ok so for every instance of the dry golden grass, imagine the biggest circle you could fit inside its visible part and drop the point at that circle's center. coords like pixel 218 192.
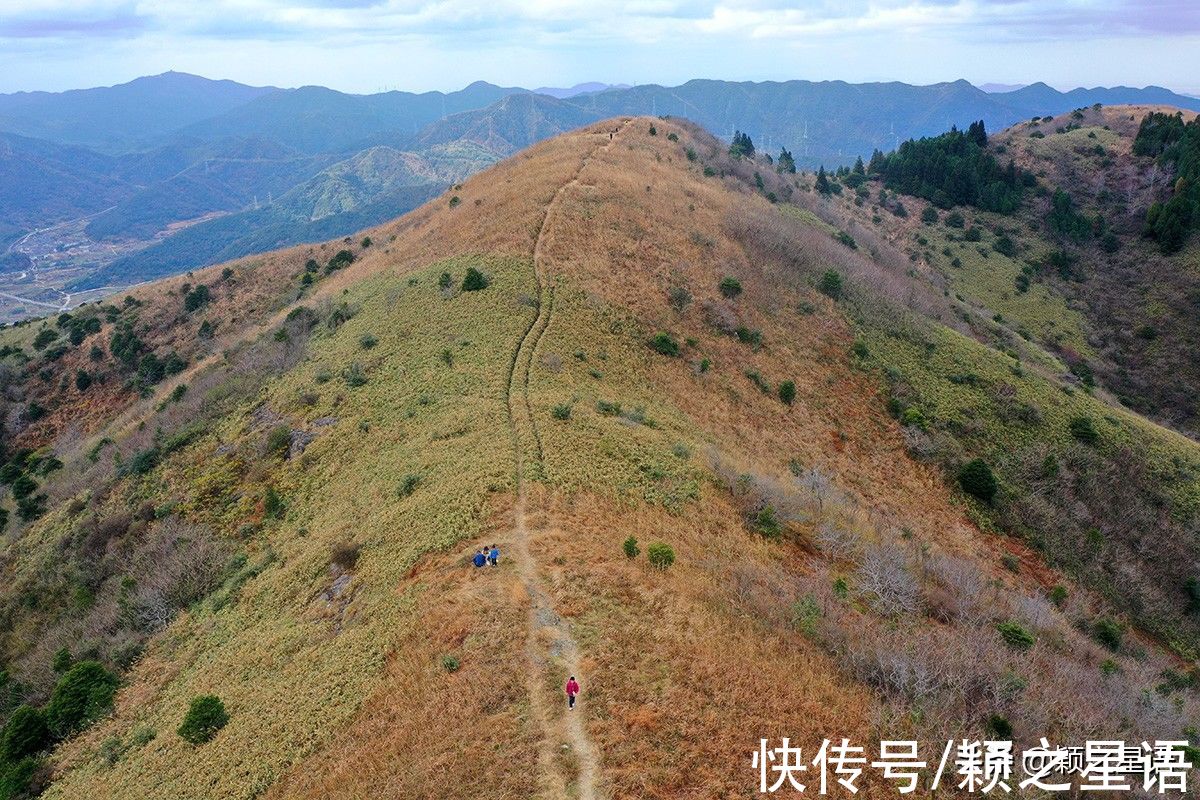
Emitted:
pixel 683 670
pixel 426 731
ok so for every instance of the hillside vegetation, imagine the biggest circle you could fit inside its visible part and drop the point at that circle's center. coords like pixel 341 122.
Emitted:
pixel 753 471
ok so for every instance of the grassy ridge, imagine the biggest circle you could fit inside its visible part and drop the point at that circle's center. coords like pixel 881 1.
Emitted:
pixel 291 664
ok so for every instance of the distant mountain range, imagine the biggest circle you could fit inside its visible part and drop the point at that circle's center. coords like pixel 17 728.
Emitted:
pixel 578 89
pixel 278 166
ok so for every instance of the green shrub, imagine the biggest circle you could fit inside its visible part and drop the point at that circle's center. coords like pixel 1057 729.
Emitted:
pixel 665 344
pixel 1058 595
pixel 1015 636
pixel 81 696
pixel 913 416
pixel 342 258
pixel 929 216
pixel 705 364
pixel 455 201
pixel 205 716
pixel 345 555
pixel 196 298
pixel 1005 246
pixel 630 546
pixel 860 349
pixel 758 380
pixel 142 735
pixel 1000 727
pixel 831 284
pixel 18 780
pixel 1108 632
pixel 445 280
pixel 679 298
pixel 44 337
pixel 562 411
pixel 23 486
pixel 955 219
pixel 976 479
pixel 32 507
pixel 279 439
pixel 787 392
pixel 730 286
pixel 367 341
pixel 1083 430
pixel 846 239
pixel 409 484
pixel 474 280
pixel 62 660
pixel 608 409
pixel 767 523
pixel 450 663
pixel 660 555
pixel 804 614
pixel 25 734
pixel 752 337
pixel 354 376
pixel 273 505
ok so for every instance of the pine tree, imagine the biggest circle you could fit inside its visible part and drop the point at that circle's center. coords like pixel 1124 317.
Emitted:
pixel 977 133
pixel 823 182
pixel 741 146
pixel 786 163
pixel 859 169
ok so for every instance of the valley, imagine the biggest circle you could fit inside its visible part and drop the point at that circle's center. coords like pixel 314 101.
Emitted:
pixel 221 170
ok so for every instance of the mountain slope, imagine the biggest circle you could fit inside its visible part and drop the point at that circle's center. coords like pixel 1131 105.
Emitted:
pixel 366 189
pixel 832 122
pixel 307 506
pixel 314 119
pixel 509 125
pixel 114 118
pixel 55 181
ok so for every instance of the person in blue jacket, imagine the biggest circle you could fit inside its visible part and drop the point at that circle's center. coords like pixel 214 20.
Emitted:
pixel 480 559
pixel 494 555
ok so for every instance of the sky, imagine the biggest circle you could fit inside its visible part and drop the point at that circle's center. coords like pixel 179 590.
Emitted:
pixel 370 45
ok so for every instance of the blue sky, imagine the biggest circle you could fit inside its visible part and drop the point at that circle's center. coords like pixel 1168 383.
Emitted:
pixel 367 45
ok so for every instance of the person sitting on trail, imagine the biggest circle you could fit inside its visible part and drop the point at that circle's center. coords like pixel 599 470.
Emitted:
pixel 572 690
pixel 480 559
pixel 494 555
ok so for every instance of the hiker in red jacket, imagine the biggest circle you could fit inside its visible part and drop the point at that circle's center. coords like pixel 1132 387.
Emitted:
pixel 572 690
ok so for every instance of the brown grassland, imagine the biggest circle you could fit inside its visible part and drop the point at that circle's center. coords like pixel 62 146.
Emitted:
pixel 826 584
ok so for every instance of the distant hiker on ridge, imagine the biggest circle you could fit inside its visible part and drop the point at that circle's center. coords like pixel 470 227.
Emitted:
pixel 480 559
pixel 572 690
pixel 494 556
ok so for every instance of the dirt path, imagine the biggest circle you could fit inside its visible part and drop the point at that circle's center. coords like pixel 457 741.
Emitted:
pixel 551 649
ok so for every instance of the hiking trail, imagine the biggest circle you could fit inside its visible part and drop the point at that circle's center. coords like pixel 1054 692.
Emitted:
pixel 550 643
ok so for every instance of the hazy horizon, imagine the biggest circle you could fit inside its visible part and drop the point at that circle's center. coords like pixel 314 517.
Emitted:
pixel 991 87
pixel 50 45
